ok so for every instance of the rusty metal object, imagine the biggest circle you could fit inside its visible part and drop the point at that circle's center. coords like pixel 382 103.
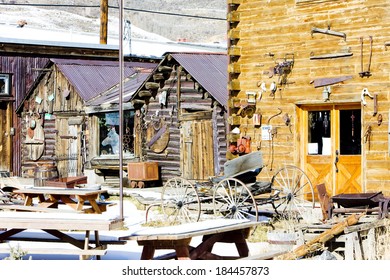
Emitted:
pixel 366 73
pixel 330 81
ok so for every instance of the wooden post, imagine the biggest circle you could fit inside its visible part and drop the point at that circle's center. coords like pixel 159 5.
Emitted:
pixel 178 89
pixel 318 242
pixel 103 21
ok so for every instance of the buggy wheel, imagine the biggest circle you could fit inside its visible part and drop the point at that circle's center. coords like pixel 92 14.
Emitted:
pixel 180 201
pixel 292 193
pixel 232 199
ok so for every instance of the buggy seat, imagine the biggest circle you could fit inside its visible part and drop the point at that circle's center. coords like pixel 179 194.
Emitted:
pixel 244 168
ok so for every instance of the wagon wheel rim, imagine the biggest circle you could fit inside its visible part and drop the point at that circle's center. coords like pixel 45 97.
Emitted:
pixel 180 201
pixel 232 199
pixel 292 193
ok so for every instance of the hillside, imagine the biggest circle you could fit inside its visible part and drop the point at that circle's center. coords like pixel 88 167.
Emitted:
pixel 87 19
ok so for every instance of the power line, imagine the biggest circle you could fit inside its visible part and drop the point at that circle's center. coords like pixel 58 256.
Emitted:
pixel 171 14
pixel 114 7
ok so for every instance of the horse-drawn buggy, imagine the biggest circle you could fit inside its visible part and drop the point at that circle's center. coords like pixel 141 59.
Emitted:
pixel 238 194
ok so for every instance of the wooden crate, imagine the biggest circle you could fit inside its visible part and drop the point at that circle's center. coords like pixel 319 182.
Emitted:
pixel 67 182
pixel 142 171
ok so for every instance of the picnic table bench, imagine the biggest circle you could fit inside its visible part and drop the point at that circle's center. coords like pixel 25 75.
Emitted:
pixel 178 238
pixel 85 200
pixel 17 226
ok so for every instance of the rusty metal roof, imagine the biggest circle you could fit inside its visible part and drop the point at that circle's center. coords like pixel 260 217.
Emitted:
pixel 209 70
pixel 93 78
pixel 130 85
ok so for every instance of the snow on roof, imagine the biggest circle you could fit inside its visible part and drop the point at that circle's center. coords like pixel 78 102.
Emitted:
pixel 136 47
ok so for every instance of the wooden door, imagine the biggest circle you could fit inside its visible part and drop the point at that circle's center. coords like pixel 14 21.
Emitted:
pixel 68 148
pixel 5 136
pixel 197 153
pixel 332 147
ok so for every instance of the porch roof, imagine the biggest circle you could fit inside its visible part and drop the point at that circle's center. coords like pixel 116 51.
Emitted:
pixel 209 70
pixel 97 81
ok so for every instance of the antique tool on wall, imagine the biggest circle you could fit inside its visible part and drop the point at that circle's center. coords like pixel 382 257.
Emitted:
pixel 330 81
pixel 272 133
pixel 365 93
pixel 284 68
pixel 366 73
pixel 157 135
pixel 287 121
pixel 257 118
pixel 330 55
pixel 328 32
pixel 367 136
pixel 243 105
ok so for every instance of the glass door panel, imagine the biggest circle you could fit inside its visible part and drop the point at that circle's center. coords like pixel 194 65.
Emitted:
pixel 350 132
pixel 319 133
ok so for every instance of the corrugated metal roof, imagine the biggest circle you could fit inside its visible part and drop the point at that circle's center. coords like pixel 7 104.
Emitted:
pixel 209 70
pixel 91 78
pixel 131 84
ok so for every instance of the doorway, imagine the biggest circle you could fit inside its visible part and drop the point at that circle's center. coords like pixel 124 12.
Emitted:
pixel 332 146
pixel 197 146
pixel 5 137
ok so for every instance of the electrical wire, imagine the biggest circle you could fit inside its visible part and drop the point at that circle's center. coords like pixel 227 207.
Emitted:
pixel 114 7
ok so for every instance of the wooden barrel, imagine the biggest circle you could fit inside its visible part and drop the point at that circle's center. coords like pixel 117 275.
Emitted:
pixel 44 173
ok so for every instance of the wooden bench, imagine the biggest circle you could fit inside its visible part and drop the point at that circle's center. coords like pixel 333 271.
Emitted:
pixel 178 238
pixel 55 227
pixel 17 207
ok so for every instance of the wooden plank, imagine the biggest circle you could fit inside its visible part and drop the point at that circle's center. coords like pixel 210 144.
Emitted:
pixel 39 236
pixel 265 256
pixel 60 191
pixel 35 209
pixel 188 230
pixel 58 221
pixel 59 251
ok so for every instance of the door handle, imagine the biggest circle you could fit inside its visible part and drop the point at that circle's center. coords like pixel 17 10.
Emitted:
pixel 336 161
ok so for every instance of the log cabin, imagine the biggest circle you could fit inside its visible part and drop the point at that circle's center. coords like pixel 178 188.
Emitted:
pixel 70 116
pixel 315 72
pixel 21 62
pixel 181 114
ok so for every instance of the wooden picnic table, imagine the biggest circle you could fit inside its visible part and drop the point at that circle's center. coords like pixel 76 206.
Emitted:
pixel 178 238
pixel 60 226
pixel 76 199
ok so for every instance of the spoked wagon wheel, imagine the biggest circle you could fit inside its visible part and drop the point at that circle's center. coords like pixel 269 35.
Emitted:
pixel 232 199
pixel 292 193
pixel 180 201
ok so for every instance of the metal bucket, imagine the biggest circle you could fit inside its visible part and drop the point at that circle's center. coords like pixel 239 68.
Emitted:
pixel 45 173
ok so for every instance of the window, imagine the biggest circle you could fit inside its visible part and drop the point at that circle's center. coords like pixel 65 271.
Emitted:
pixel 350 132
pixel 319 132
pixel 109 132
pixel 5 84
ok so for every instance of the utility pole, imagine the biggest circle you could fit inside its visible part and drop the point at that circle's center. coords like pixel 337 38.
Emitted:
pixel 103 21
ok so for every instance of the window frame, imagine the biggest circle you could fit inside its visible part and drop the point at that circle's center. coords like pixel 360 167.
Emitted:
pixel 7 84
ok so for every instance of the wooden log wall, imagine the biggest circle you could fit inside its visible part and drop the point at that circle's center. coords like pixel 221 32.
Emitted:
pixel 52 103
pixel 191 100
pixel 324 38
pixel 23 70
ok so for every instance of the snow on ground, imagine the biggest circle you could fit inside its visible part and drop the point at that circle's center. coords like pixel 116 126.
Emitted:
pixel 134 219
pixel 51 26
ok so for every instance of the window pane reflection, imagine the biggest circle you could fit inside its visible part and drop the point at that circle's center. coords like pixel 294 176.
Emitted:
pixel 319 133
